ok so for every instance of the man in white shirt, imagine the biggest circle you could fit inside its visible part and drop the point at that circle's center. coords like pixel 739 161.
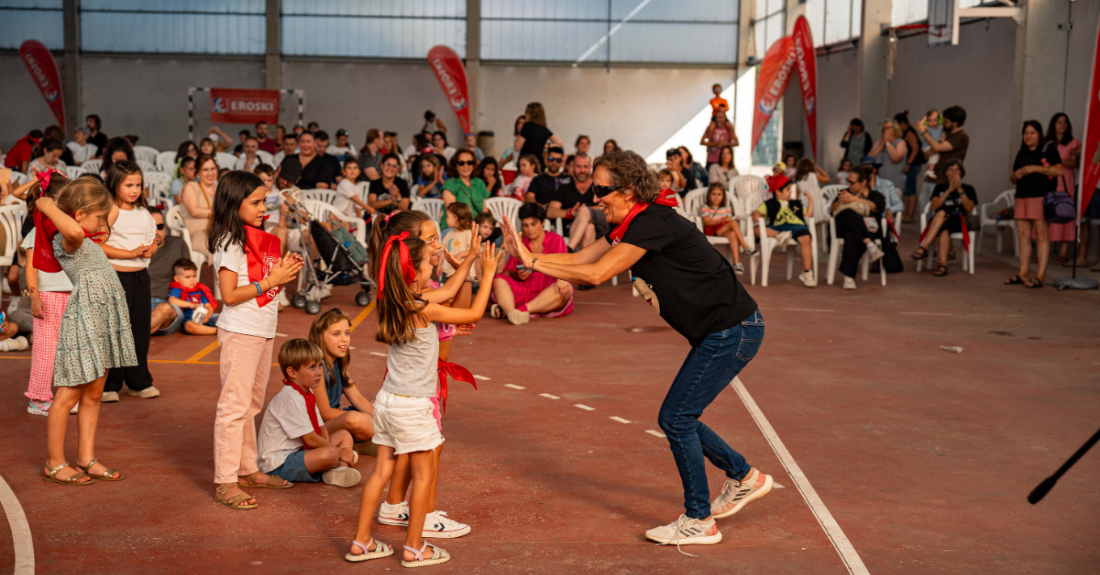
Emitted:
pixel 82 150
pixel 248 160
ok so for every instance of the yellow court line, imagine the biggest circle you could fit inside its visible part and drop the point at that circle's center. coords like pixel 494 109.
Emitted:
pixel 205 351
pixel 362 315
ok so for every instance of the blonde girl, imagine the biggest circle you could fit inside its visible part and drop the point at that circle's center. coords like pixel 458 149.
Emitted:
pixel 403 419
pixel 718 221
pixel 331 331
pixel 93 337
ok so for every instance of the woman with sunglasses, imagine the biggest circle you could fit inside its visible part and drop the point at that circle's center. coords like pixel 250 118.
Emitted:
pixel 696 291
pixel 462 186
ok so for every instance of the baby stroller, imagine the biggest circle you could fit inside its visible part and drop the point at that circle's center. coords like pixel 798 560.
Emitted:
pixel 338 263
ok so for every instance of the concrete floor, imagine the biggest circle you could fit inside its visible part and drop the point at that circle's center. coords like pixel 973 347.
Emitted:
pixel 923 457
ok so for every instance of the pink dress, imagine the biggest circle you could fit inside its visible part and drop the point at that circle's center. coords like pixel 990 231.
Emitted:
pixel 1065 232
pixel 525 291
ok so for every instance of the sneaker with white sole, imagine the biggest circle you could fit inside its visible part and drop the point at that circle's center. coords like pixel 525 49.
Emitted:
pixel 109 397
pixel 849 283
pixel 738 268
pixel 736 494
pixel 341 476
pixel 147 393
pixel 38 407
pixel 874 253
pixel 14 344
pixel 686 531
pixel 807 279
pixel 394 514
pixel 516 317
pixel 437 525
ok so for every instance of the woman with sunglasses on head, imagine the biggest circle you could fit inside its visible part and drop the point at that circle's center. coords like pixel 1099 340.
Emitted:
pixel 696 291
pixel 462 186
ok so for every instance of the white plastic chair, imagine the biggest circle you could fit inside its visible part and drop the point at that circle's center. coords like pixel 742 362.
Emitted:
pixel 745 186
pixel 92 166
pixel 146 154
pixel 326 196
pixel 160 184
pixel 173 220
pixel 828 196
pixel 751 202
pixel 266 157
pixel 147 167
pixel 166 161
pixel 696 199
pixel 225 160
pixel 990 224
pixel 501 207
pixel 431 206
pixel 835 250
pixel 11 220
pixel 73 172
pixel 967 260
pixel 322 212
pixel 768 245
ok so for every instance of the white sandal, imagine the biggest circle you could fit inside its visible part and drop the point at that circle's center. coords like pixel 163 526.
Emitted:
pixel 381 550
pixel 438 556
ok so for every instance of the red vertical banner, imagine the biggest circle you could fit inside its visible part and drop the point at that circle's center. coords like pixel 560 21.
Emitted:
pixel 1090 156
pixel 452 77
pixel 775 74
pixel 43 69
pixel 807 76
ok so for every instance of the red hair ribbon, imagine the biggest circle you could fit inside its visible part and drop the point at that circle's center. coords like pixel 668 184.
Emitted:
pixel 44 176
pixel 456 371
pixel 667 197
pixel 408 270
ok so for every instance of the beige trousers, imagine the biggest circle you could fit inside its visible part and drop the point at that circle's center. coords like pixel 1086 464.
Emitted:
pixel 245 368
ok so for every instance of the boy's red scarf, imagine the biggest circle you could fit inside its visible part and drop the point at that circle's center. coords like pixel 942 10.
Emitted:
pixel 666 198
pixel 185 293
pixel 311 406
pixel 262 251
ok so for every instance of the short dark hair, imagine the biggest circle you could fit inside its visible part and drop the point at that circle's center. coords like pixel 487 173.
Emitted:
pixel 532 210
pixel 555 150
pixel 486 216
pixel 716 86
pixel 94 118
pixel 320 135
pixel 958 115
pixel 184 265
pixel 261 123
pixel 264 169
pixel 862 173
pixel 290 136
pixel 312 124
pixel 244 132
pixel 392 156
pixel 956 162
pixel 856 122
pixel 155 210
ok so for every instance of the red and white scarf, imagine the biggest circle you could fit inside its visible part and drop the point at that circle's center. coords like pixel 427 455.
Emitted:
pixel 311 406
pixel 261 249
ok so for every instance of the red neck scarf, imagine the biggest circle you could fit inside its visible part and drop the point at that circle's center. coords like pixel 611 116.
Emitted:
pixel 456 371
pixel 261 249
pixel 665 198
pixel 408 270
pixel 185 293
pixel 311 405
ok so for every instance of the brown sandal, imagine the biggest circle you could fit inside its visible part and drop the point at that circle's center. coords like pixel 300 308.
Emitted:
pixel 237 501
pixel 108 475
pixel 74 479
pixel 272 482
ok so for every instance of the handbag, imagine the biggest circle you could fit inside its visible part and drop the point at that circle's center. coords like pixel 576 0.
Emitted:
pixel 1058 206
pixel 891 259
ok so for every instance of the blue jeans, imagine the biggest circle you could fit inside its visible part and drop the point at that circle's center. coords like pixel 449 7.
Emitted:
pixel 176 323
pixel 911 179
pixel 708 369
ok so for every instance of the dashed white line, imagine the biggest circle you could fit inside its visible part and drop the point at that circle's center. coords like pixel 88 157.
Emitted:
pixel 481 377
pixel 378 354
pixel 514 386
pixel 584 407
pixel 655 433
pixel 280 334
pixel 548 396
pixel 925 313
pixel 20 530
pixel 619 419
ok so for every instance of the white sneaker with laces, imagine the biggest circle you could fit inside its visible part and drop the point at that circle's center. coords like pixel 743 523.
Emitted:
pixel 439 526
pixel 394 514
pixel 738 268
pixel 109 397
pixel 807 279
pixel 874 252
pixel 516 317
pixel 686 531
pixel 14 344
pixel 849 283
pixel 736 494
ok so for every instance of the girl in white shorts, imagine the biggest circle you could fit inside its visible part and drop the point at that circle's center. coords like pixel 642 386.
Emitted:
pixel 403 411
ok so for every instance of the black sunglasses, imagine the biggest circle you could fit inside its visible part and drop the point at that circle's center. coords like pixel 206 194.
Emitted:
pixel 465 163
pixel 553 159
pixel 160 227
pixel 601 191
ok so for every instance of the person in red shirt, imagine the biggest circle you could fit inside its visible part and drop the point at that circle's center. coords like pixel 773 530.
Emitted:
pixel 20 154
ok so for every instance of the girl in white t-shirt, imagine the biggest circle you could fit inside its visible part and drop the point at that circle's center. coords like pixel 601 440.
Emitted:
pixel 131 243
pixel 250 274
pixel 528 166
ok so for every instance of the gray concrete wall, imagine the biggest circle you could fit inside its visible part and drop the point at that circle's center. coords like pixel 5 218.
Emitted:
pixel 837 104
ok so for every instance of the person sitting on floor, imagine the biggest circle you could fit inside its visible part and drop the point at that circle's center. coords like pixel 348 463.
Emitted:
pixel 331 332
pixel 519 293
pixel 786 223
pixel 292 423
pixel 165 318
pixel 194 298
pixel 952 203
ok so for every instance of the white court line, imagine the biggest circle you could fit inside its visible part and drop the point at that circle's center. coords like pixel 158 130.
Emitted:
pixel 481 377
pixel 548 396
pixel 280 334
pixel 925 313
pixel 832 529
pixel 654 433
pixel 20 530
pixel 619 419
pixel 584 407
pixel 514 386
pixel 378 354
pixel 805 309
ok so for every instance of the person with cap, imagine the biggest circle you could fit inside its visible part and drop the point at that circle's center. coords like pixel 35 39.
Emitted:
pixel 81 148
pixel 857 211
pixel 341 150
pixel 785 219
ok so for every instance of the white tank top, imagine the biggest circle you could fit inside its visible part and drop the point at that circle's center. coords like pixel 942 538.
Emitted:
pixel 413 367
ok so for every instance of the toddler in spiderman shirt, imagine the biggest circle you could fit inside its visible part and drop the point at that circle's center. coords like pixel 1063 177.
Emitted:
pixel 193 298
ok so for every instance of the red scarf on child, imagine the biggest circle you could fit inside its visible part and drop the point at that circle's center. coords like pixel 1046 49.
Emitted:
pixel 186 293
pixel 456 371
pixel 663 199
pixel 311 406
pixel 44 231
pixel 262 251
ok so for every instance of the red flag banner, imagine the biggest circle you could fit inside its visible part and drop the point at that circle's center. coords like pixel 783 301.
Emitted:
pixel 452 77
pixel 807 76
pixel 43 69
pixel 775 74
pixel 231 106
pixel 1090 156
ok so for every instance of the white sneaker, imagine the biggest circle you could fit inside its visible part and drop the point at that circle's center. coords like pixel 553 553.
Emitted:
pixel 783 239
pixel 438 525
pixel 807 279
pixel 874 253
pixel 736 494
pixel 14 344
pixel 147 393
pixel 686 531
pixel 109 397
pixel 738 268
pixel 849 283
pixel 75 410
pixel 516 317
pixel 341 476
pixel 394 514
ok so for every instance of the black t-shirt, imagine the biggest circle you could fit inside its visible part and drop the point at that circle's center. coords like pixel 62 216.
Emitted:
pixel 689 180
pixel 544 186
pixel 100 141
pixel 333 165
pixel 316 172
pixel 570 196
pixel 67 157
pixel 953 204
pixel 1036 185
pixel 692 286
pixel 381 193
pixel 534 139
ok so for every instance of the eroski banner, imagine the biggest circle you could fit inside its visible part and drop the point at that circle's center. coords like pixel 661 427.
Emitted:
pixel 233 106
pixel 43 69
pixel 452 77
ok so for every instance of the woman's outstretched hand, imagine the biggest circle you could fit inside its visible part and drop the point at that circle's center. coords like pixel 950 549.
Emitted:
pixel 514 244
